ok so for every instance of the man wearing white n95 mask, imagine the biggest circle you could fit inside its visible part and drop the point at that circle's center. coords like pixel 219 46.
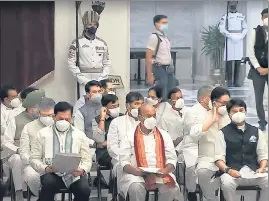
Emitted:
pixel 241 152
pixel 119 128
pixel 61 137
pixel 84 116
pixel 204 131
pixel 28 135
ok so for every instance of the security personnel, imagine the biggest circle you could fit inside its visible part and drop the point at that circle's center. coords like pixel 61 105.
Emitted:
pixel 158 57
pixel 234 29
pixel 258 51
pixel 94 63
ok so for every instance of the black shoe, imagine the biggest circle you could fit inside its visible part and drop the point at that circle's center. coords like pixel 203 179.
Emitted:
pixel 192 196
pixel 262 127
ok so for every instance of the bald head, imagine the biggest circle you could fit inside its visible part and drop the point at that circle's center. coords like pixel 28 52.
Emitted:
pixel 146 111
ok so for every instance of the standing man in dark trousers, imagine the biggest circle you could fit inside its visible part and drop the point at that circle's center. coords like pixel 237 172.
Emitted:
pixel 258 55
pixel 158 57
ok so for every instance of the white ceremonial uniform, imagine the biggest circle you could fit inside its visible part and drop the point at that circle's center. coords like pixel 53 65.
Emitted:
pixel 237 30
pixel 28 135
pixel 93 59
pixel 206 167
pixel 228 183
pixel 118 129
pixel 42 149
pixel 5 111
pixel 134 185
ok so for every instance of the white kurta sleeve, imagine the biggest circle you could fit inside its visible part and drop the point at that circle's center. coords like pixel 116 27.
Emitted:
pixel 113 140
pixel 73 66
pixel 106 65
pixel 86 156
pixel 125 154
pixel 220 147
pixel 36 156
pixel 170 152
pixel 262 148
pixel 24 149
pixel 80 102
pixel 97 134
pixel 79 121
pixel 251 51
pixel 3 123
pixel 9 135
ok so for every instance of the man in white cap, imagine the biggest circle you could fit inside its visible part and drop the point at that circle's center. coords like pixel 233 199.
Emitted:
pixel 11 138
pixel 93 62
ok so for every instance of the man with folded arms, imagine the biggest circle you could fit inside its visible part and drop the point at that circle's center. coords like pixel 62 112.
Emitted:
pixel 61 137
pixel 240 145
pixel 148 147
pixel 29 133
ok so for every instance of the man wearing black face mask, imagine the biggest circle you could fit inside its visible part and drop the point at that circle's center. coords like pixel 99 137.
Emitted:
pixel 234 28
pixel 93 60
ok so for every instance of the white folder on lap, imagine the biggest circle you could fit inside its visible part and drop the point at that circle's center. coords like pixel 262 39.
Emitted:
pixel 66 162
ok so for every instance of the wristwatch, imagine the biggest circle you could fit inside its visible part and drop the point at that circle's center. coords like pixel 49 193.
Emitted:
pixel 226 170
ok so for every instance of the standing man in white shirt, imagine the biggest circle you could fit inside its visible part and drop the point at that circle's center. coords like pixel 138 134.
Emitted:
pixel 204 130
pixel 258 55
pixel 9 101
pixel 159 66
pixel 240 146
pixel 94 62
pixel 234 28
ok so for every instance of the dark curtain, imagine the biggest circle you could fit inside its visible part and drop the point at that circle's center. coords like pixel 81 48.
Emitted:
pixel 26 41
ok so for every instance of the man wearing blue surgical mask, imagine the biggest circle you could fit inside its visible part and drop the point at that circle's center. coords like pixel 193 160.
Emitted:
pixel 84 116
pixel 158 57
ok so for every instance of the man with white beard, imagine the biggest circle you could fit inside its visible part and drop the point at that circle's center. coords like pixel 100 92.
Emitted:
pixel 207 121
pixel 28 135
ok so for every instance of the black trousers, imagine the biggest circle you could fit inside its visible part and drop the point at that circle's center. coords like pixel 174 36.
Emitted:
pixel 233 73
pixel 51 184
pixel 259 82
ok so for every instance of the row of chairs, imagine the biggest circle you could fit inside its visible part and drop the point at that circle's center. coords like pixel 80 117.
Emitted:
pixel 181 182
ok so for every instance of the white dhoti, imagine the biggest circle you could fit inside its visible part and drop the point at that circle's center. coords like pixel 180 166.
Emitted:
pixel 229 185
pixel 90 76
pixel 15 164
pixel 208 184
pixel 32 179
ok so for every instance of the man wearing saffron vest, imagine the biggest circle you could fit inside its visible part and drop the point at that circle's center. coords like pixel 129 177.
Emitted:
pixel 11 139
pixel 28 135
pixel 241 153
pixel 148 147
pixel 204 130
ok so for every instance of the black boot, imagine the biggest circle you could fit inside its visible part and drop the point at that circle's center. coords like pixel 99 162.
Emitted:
pixel 192 196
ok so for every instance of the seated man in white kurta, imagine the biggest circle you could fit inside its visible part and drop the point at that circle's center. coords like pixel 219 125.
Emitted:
pixel 28 134
pixel 61 137
pixel 148 147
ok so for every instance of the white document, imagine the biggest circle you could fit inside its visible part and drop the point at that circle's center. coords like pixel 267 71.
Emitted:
pixel 247 173
pixel 66 162
pixel 150 170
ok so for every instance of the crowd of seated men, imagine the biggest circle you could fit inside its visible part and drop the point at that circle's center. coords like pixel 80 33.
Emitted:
pixel 142 146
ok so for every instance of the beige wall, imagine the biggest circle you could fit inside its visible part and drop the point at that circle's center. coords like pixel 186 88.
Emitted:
pixel 114 29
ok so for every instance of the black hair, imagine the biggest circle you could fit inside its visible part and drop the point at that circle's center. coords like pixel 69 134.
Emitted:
pixel 236 102
pixel 264 11
pixel 104 82
pixel 133 96
pixel 219 92
pixel 4 91
pixel 158 90
pixel 108 98
pixel 91 84
pixel 173 91
pixel 26 91
pixel 157 18
pixel 63 107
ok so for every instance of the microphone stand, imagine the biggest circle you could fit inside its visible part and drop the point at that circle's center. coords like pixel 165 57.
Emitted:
pixel 77 44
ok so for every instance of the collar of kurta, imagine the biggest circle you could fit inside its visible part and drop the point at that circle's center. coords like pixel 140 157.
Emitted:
pixel 5 107
pixel 159 32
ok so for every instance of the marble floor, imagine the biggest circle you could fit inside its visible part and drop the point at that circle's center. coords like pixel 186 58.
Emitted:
pixel 190 92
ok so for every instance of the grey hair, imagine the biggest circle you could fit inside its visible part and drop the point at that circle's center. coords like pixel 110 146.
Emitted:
pixel 46 103
pixel 203 91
